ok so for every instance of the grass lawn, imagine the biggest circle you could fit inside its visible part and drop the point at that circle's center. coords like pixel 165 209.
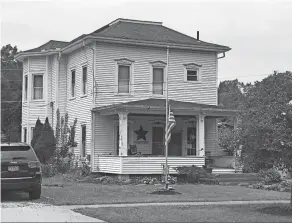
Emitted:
pixel 235 213
pixel 59 192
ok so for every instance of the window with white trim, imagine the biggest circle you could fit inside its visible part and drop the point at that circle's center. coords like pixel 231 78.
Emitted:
pixel 84 80
pixel 192 75
pixel 157 80
pixel 73 79
pixel 124 78
pixel 25 87
pixel 192 72
pixel 38 86
pixel 83 140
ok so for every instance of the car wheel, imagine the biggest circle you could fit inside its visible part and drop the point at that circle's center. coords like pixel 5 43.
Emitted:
pixel 35 194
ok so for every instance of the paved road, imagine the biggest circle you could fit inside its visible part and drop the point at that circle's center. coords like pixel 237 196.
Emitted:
pixel 18 209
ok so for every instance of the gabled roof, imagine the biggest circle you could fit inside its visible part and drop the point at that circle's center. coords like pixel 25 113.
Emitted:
pixel 51 45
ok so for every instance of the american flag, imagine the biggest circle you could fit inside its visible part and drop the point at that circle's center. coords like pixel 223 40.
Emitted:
pixel 171 124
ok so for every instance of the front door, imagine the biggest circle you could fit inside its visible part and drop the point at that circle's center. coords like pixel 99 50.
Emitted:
pixel 175 144
pixel 157 140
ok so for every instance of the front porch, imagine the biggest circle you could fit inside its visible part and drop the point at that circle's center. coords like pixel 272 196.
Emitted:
pixel 135 136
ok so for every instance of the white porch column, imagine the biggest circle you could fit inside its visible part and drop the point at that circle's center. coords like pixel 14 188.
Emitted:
pixel 123 133
pixel 201 131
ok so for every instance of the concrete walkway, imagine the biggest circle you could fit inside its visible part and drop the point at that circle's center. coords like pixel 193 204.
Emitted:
pixel 71 207
pixel 33 212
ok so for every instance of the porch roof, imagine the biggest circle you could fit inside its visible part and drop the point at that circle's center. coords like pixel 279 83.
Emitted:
pixel 157 106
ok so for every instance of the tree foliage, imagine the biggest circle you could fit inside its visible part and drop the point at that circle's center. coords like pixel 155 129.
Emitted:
pixel 62 132
pixel 46 145
pixel 266 122
pixel 37 132
pixel 11 93
pixel 231 93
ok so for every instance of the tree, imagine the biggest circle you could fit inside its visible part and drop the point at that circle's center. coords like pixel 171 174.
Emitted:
pixel 266 124
pixel 231 93
pixel 37 132
pixel 62 131
pixel 46 145
pixel 11 93
pixel 266 127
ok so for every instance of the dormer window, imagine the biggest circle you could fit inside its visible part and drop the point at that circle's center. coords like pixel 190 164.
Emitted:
pixel 192 72
pixel 124 76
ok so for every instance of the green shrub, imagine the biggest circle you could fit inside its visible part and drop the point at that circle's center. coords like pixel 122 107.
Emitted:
pixel 49 170
pixel 258 185
pixel 270 176
pixel 194 174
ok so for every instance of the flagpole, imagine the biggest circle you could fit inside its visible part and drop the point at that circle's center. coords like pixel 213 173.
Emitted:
pixel 166 121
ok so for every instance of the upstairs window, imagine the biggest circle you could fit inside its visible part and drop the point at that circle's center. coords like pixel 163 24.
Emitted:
pixel 192 72
pixel 72 83
pixel 192 75
pixel 123 79
pixel 84 80
pixel 25 87
pixel 37 87
pixel 158 80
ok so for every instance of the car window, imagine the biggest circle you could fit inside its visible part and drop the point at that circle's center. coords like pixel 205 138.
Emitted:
pixel 17 152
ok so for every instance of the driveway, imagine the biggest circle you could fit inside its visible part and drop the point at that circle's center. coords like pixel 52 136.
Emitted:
pixel 15 207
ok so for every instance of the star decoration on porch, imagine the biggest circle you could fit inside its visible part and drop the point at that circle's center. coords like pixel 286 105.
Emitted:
pixel 141 133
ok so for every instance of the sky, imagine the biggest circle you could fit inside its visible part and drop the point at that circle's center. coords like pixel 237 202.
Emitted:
pixel 259 32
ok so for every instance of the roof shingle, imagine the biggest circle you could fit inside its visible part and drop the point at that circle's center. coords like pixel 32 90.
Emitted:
pixel 138 31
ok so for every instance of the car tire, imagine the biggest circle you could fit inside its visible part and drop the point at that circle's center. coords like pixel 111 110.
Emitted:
pixel 35 194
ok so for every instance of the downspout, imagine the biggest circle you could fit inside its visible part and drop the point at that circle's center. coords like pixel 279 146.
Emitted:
pixel 93 103
pixel 57 79
pixel 29 90
pixel 47 87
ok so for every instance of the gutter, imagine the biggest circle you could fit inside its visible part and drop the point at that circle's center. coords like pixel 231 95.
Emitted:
pixel 148 43
pixel 219 49
pixel 162 108
pixel 43 53
pixel 221 56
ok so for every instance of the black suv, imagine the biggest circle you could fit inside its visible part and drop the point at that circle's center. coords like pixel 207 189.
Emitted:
pixel 20 169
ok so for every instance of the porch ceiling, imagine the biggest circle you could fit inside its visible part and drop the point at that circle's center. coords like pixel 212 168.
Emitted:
pixel 157 106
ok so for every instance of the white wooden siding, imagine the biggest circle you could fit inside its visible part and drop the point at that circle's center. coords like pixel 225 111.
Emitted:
pixel 203 92
pixel 104 135
pixel 144 165
pixel 211 140
pixel 62 86
pixel 37 63
pixel 36 109
pixel 80 107
pixel 108 164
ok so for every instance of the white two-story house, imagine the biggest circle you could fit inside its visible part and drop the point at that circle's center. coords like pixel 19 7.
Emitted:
pixel 113 81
